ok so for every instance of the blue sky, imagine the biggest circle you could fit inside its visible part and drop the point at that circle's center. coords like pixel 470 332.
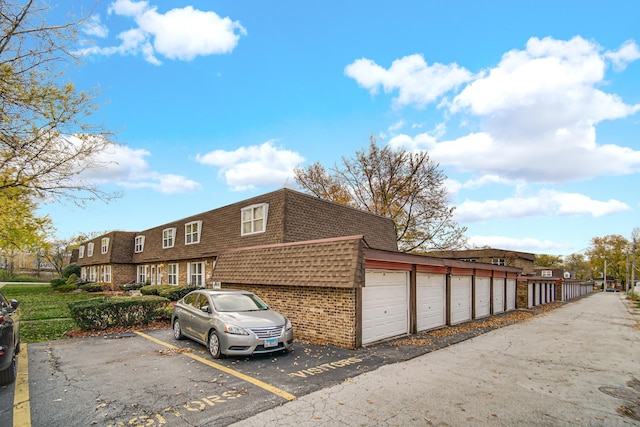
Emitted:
pixel 532 109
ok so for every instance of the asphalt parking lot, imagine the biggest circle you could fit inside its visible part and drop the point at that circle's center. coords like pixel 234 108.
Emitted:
pixel 149 379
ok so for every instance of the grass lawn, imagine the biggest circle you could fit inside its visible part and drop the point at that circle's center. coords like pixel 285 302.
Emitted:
pixel 45 314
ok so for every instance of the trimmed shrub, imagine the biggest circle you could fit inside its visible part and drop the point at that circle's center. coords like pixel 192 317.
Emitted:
pixel 174 293
pixel 150 290
pixel 72 279
pixel 92 287
pixel 70 269
pixel 104 313
pixel 164 313
pixel 67 287
pixel 57 282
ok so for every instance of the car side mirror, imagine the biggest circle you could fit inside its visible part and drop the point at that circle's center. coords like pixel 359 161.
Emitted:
pixel 14 304
pixel 205 308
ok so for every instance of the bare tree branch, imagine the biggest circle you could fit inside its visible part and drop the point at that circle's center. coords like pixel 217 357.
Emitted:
pixel 47 143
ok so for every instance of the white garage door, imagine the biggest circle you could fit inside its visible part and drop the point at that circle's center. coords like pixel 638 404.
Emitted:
pixel 431 301
pixel 483 297
pixel 498 295
pixel 385 305
pixel 537 293
pixel 511 294
pixel 460 299
pixel 531 292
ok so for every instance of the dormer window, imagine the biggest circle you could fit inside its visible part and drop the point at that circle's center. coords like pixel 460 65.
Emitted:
pixel 81 252
pixel 168 237
pixel 192 232
pixel 104 245
pixel 139 245
pixel 90 249
pixel 254 219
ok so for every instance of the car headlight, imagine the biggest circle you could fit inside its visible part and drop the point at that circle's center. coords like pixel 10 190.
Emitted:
pixel 235 330
pixel 287 325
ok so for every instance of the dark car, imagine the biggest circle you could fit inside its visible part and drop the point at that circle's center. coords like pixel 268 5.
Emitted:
pixel 9 339
pixel 231 322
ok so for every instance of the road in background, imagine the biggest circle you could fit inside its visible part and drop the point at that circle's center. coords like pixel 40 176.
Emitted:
pixel 577 365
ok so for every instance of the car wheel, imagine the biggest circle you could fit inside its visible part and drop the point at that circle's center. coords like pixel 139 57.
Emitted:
pixel 177 331
pixel 214 345
pixel 9 375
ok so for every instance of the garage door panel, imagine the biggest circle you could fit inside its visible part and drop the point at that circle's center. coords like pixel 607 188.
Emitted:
pixel 460 299
pixel 385 305
pixel 498 295
pixel 483 296
pixel 511 294
pixel 431 301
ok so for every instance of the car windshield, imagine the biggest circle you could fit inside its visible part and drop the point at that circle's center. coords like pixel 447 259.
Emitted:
pixel 238 302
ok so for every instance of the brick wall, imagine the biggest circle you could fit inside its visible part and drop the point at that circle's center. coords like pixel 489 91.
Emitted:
pixel 522 294
pixel 319 315
pixel 122 273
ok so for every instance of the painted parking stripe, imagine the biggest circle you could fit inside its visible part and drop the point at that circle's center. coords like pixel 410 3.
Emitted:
pixel 223 368
pixel 21 403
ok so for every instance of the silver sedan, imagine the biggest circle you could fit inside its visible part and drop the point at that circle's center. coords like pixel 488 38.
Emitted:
pixel 231 322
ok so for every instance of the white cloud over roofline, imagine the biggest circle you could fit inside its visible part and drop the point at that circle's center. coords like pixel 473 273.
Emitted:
pixel 534 115
pixel 546 202
pixel 417 82
pixel 253 166
pixel 128 168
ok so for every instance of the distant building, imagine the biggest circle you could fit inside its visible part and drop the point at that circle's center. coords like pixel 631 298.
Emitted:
pixel 523 260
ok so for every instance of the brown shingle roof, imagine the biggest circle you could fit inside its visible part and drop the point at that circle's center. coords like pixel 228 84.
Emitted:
pixel 336 262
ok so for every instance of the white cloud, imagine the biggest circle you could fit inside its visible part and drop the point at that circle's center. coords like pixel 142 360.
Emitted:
pixel 180 34
pixel 128 168
pixel 166 184
pixel 253 166
pixel 627 53
pixel 93 27
pixel 546 202
pixel 537 113
pixel 417 82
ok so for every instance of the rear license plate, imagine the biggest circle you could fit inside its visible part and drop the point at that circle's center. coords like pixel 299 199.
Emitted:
pixel 270 342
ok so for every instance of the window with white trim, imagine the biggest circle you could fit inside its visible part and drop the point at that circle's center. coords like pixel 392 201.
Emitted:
pixel 139 246
pixel 195 273
pixel 168 237
pixel 497 261
pixel 172 274
pixel 83 274
pixel 106 274
pixel 92 274
pixel 546 273
pixel 142 274
pixel 192 232
pixel 90 249
pixel 104 245
pixel 81 252
pixel 254 219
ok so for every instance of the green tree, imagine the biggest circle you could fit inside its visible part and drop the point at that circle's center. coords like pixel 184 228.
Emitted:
pixel 46 142
pixel 613 250
pixel 550 261
pixel 21 230
pixel 405 186
pixel 578 265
